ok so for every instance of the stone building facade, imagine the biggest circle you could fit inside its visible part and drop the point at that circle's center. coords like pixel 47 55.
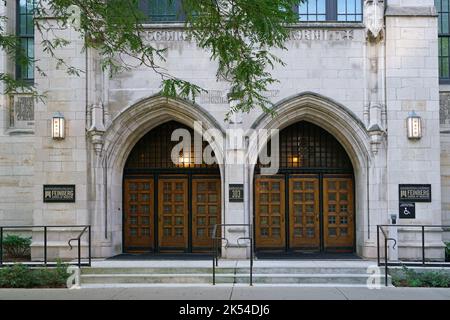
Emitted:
pixel 356 80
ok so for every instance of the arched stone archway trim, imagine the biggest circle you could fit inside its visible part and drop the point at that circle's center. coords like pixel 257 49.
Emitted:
pixel 348 129
pixel 126 129
pixel 345 126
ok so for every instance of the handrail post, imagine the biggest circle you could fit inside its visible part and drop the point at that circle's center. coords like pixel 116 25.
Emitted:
pixel 251 261
pixel 79 252
pixel 378 245
pixel 217 251
pixel 90 246
pixel 423 245
pixel 45 245
pixel 214 261
pixel 385 262
pixel 1 246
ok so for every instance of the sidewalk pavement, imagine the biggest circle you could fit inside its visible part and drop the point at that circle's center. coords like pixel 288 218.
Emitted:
pixel 227 293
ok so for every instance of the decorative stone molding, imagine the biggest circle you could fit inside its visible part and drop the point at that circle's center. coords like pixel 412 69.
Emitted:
pixel 97 129
pixel 351 133
pixel 376 134
pixel 417 11
pixel 376 128
pixel 374 19
pixel 120 137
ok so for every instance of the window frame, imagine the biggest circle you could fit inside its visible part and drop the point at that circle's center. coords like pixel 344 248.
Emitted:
pixel 443 35
pixel 27 37
pixel 331 13
pixel 144 6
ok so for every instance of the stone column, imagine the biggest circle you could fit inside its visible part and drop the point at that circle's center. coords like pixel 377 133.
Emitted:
pixel 235 175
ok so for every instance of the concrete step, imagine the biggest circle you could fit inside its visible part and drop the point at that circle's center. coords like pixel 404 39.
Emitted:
pixel 226 275
pixel 328 279
pixel 223 270
pixel 153 278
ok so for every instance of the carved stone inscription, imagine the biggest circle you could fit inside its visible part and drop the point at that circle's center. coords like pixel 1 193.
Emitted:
pixel 21 112
pixel 296 35
pixel 220 97
pixel 445 109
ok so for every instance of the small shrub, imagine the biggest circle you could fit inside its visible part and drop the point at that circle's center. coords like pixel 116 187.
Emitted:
pixel 411 278
pixel 16 247
pixel 21 276
pixel 17 276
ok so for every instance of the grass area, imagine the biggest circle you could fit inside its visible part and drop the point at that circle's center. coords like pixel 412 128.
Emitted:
pixel 428 279
pixel 21 276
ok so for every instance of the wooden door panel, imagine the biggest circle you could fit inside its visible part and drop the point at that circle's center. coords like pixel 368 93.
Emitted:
pixel 338 213
pixel 304 211
pixel 206 204
pixel 139 215
pixel 270 212
pixel 173 214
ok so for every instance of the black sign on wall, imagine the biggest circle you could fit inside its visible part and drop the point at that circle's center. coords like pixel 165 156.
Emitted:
pixel 59 193
pixel 236 192
pixel 407 210
pixel 414 192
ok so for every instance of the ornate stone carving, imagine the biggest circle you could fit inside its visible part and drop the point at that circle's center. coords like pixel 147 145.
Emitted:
pixel 374 19
pixel 376 132
pixel 97 129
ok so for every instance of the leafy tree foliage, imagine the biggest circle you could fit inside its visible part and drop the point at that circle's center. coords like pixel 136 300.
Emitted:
pixel 238 34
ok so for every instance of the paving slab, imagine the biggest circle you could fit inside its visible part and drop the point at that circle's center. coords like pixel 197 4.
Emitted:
pixel 286 293
pixel 396 293
pixel 227 292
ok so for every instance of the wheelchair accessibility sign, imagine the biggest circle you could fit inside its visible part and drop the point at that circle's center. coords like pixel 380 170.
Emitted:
pixel 407 210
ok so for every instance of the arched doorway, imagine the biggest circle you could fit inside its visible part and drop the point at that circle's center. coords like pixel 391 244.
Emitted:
pixel 169 206
pixel 309 205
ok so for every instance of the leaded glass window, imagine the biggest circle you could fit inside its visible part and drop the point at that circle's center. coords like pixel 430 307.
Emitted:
pixel 331 10
pixel 313 10
pixel 163 11
pixel 154 151
pixel 349 10
pixel 443 8
pixel 304 145
pixel 25 33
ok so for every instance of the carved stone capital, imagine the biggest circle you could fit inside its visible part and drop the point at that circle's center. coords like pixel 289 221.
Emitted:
pixel 97 140
pixel 97 130
pixel 376 134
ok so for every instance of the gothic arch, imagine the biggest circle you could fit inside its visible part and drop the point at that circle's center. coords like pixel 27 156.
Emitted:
pixel 338 120
pixel 126 129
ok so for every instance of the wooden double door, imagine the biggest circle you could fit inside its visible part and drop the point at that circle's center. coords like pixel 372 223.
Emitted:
pixel 170 213
pixel 304 213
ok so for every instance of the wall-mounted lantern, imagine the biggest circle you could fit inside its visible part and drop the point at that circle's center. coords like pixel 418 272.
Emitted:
pixel 58 126
pixel 414 124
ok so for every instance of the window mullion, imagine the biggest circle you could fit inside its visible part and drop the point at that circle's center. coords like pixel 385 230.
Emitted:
pixel 332 10
pixel 181 16
pixel 295 9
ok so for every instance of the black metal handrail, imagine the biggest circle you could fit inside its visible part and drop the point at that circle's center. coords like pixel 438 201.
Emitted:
pixel 79 244
pixel 45 229
pixel 386 239
pixel 386 263
pixel 217 239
